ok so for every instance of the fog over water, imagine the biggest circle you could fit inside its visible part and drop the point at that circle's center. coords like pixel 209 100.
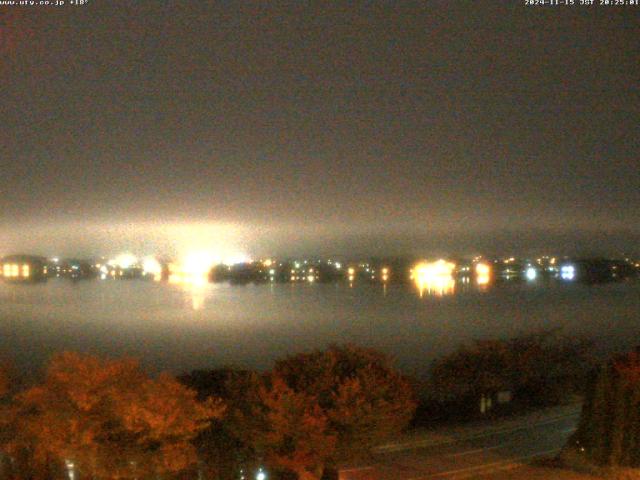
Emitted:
pixel 92 239
pixel 178 328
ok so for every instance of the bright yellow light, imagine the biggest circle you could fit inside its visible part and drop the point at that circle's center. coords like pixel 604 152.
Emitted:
pixel 151 266
pixel 351 271
pixel 125 260
pixel 198 296
pixel 193 286
pixel 15 270
pixel 434 278
pixel 183 279
pixel 26 270
pixel 483 269
pixel 197 264
pixel 268 262
pixel 483 274
pixel 192 274
pixel 6 270
pixel 385 271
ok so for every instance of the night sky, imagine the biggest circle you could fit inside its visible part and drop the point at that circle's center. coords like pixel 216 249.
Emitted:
pixel 302 126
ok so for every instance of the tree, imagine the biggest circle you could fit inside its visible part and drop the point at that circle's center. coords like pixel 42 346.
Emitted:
pixel 295 435
pixel 4 381
pixel 226 446
pixel 537 368
pixel 609 427
pixel 316 409
pixel 477 369
pixel 7 415
pixel 107 419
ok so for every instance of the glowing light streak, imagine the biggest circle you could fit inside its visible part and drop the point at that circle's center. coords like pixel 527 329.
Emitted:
pixel 124 260
pixel 152 267
pixel 531 273
pixel 434 278
pixel 483 274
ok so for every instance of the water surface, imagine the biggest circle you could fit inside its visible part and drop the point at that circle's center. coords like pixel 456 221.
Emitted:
pixel 180 328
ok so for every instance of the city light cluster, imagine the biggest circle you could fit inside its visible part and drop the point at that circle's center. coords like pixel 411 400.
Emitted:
pixel 14 270
pixel 198 268
pixel 434 277
pixel 194 267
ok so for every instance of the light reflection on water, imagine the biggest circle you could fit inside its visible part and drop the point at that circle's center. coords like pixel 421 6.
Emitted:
pixel 195 289
pixel 180 327
pixel 437 287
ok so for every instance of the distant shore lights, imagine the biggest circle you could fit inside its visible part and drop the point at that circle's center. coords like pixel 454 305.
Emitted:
pixel 531 273
pixel 568 272
pixel 483 274
pixel 434 278
pixel 15 270
pixel 124 261
pixel 152 267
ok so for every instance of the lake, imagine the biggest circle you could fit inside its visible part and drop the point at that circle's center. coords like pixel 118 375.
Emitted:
pixel 183 327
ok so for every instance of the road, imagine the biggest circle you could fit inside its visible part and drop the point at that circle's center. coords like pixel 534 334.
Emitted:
pixel 478 453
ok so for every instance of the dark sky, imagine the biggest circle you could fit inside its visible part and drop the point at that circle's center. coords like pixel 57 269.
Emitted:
pixel 152 125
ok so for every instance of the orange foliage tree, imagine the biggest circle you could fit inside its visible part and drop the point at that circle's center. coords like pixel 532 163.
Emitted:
pixel 316 409
pixel 365 399
pixel 107 419
pixel 297 435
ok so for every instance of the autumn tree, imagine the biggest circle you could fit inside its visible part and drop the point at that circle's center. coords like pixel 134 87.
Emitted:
pixel 316 409
pixel 223 448
pixel 295 434
pixel 107 419
pixel 266 422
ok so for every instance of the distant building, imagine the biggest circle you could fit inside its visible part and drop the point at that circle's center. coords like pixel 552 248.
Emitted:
pixel 23 268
